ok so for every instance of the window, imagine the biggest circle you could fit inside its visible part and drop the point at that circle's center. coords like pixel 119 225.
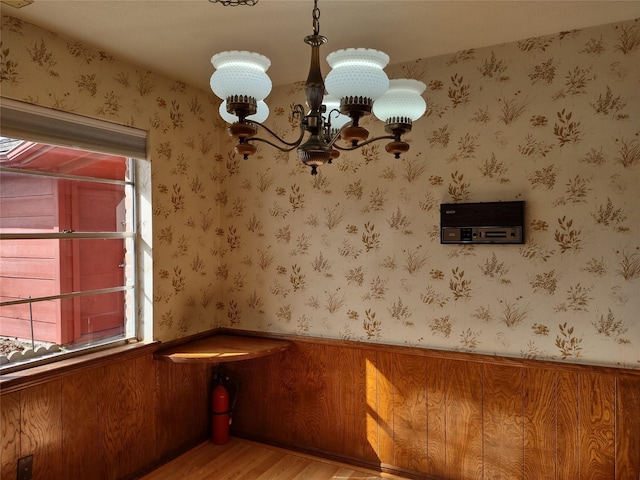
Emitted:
pixel 68 243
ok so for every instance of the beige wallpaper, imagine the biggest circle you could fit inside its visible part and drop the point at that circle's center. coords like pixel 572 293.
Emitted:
pixel 354 252
pixel 43 68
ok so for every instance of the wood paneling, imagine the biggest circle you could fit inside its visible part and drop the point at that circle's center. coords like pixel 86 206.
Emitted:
pixel 356 423
pixel 463 399
pixel 308 392
pixel 371 394
pixel 597 425
pixel 568 426
pixel 182 405
pixel 410 413
pixel 137 427
pixel 100 422
pixel 276 398
pixel 114 440
pixel 311 397
pixel 429 414
pixel 503 419
pixel 80 425
pixel 145 419
pixel 436 417
pixel 419 413
pixel 9 434
pixel 539 397
pixel 384 406
pixel 253 384
pixel 628 428
pixel 41 429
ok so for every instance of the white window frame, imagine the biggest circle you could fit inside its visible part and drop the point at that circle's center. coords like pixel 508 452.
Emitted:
pixel 29 122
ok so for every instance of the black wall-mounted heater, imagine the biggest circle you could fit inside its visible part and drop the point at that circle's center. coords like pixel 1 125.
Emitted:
pixel 485 222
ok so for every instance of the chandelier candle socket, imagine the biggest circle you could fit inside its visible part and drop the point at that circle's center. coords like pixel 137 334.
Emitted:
pixel 259 117
pixel 356 85
pixel 332 113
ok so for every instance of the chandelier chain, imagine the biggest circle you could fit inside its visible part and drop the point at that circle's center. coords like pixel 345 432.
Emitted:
pixel 316 18
pixel 235 3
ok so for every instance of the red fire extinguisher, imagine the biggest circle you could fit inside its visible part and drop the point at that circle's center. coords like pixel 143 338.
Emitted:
pixel 221 415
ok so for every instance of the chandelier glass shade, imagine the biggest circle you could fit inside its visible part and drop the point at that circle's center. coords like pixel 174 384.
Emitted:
pixel 240 73
pixel 402 100
pixel 357 72
pixel 356 86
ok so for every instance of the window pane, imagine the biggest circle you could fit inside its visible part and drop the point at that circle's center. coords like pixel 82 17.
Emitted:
pixel 41 268
pixel 86 319
pixel 67 230
pixel 62 196
pixel 90 264
pixel 98 208
pixel 33 269
pixel 39 157
pixel 36 204
pixel 101 315
pixel 16 320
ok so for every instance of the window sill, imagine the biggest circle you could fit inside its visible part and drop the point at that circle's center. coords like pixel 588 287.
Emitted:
pixel 10 382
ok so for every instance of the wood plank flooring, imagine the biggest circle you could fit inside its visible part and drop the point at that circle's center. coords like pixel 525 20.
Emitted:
pixel 245 460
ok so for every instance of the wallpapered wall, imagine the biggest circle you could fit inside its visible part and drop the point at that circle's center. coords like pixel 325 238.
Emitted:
pixel 47 69
pixel 354 252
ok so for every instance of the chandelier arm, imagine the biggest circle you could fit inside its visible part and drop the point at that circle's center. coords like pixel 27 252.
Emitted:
pixel 293 144
pixel 362 144
pixel 290 145
pixel 298 111
pixel 336 136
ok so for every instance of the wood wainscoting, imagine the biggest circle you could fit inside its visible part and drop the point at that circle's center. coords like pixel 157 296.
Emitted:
pixel 414 412
pixel 106 418
pixel 442 415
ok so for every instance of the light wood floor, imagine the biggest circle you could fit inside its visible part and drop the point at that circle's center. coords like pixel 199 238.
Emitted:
pixel 245 460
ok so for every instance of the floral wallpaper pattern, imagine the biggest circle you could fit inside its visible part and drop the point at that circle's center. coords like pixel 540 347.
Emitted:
pixel 354 252
pixel 44 68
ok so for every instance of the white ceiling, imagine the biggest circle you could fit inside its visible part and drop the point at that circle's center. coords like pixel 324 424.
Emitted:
pixel 178 37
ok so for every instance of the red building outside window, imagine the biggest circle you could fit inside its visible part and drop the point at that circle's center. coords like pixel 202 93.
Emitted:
pixel 67 244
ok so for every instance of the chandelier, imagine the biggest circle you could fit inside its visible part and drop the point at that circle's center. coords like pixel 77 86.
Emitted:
pixel 356 85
